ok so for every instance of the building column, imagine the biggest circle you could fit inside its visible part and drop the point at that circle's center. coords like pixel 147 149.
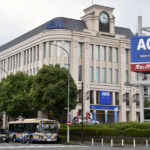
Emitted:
pixel 113 98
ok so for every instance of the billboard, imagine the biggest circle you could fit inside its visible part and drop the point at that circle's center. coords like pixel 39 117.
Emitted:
pixel 140 53
pixel 105 98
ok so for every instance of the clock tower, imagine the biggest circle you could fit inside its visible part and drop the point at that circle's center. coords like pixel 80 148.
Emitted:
pixel 99 18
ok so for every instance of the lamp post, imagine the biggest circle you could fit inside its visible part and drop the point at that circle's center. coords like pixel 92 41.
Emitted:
pixel 68 135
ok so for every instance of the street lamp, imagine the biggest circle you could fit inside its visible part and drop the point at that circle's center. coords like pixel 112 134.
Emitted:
pixel 68 136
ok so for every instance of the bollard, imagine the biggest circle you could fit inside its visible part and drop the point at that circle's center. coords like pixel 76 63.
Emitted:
pixel 146 143
pixel 122 142
pixel 102 142
pixel 111 142
pixel 92 142
pixel 134 143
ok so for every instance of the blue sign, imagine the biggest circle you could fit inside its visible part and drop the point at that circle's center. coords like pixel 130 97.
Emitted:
pixel 55 24
pixel 115 116
pixel 105 98
pixel 104 107
pixel 140 49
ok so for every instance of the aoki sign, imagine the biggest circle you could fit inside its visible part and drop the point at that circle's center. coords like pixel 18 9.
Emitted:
pixel 140 53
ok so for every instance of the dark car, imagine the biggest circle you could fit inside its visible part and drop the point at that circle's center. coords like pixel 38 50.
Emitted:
pixel 4 136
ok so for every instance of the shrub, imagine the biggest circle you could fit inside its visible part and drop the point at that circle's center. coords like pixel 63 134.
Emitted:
pixel 107 132
pixel 61 139
pixel 132 132
pixel 62 131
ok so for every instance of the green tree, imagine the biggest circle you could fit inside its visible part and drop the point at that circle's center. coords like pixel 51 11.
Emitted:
pixel 51 90
pixel 15 97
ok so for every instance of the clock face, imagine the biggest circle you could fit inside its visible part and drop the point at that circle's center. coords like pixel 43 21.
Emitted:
pixel 103 18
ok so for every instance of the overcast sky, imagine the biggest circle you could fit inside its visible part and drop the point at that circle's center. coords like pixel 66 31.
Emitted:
pixel 20 16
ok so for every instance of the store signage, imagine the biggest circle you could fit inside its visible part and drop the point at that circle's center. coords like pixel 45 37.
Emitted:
pixel 100 107
pixel 55 24
pixel 105 97
pixel 140 53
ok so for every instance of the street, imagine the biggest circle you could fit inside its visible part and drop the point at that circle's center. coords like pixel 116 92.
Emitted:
pixel 14 146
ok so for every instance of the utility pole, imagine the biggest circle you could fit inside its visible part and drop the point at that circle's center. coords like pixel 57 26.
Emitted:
pixel 82 132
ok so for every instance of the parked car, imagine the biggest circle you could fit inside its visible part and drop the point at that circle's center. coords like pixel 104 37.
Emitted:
pixel 90 121
pixel 4 136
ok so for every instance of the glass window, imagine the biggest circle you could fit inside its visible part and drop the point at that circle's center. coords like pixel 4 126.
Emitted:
pixel 97 97
pixel 104 75
pixel 136 76
pixel 80 50
pixel 80 96
pixel 116 98
pixel 91 74
pixel 37 52
pixel 110 54
pixel 97 74
pixel 127 76
pixel 19 59
pixel 91 51
pixel 110 75
pixel 67 47
pixel 97 52
pixel 80 73
pixel 66 66
pixel 34 53
pixel 116 55
pixel 14 62
pixel 91 97
pixel 44 49
pixel 103 53
pixel 127 56
pixel 28 56
pixel 58 48
pixel 51 49
pixel 116 76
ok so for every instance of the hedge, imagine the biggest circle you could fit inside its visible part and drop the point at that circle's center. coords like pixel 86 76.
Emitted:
pixel 107 132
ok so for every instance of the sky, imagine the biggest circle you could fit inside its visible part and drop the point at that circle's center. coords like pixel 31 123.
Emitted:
pixel 20 16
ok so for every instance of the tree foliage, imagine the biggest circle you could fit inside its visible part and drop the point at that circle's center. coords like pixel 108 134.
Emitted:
pixel 15 97
pixel 51 90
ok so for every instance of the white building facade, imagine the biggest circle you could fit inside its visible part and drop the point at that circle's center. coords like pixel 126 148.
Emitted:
pixel 99 57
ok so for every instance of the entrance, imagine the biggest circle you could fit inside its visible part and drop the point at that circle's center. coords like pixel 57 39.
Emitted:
pixel 100 116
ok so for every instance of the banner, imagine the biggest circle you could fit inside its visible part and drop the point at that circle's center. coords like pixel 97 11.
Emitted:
pixel 105 98
pixel 87 117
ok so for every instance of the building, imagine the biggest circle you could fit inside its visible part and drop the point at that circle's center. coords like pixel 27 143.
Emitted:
pixel 99 57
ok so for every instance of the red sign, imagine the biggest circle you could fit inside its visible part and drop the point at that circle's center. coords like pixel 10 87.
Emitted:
pixel 140 67
pixel 69 123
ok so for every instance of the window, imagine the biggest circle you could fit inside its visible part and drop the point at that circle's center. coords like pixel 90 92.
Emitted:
pixel 80 96
pixel 80 73
pixel 91 97
pixel 44 49
pixel 127 55
pixel 104 75
pixel 66 66
pixel 116 76
pixel 97 97
pixel 97 74
pixel 51 49
pixel 110 54
pixel 110 75
pixel 58 48
pixel 116 55
pixel 67 47
pixel 91 51
pixel 127 99
pixel 91 74
pixel 34 53
pixel 37 52
pixel 116 98
pixel 19 59
pixel 30 55
pixel 14 62
pixel 97 52
pixel 103 53
pixel 127 76
pixel 80 50
pixel 136 76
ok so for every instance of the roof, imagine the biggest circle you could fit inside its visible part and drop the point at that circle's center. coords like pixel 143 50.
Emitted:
pixel 71 24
